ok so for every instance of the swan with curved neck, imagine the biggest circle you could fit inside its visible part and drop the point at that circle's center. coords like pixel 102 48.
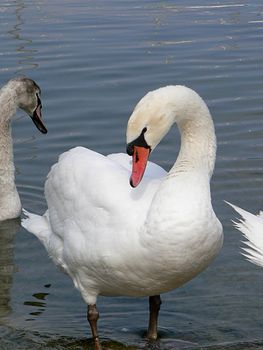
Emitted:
pixel 139 240
pixel 24 93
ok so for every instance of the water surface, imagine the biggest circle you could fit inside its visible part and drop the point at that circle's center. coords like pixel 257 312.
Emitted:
pixel 93 61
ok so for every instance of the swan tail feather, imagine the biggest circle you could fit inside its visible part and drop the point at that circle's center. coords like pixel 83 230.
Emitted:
pixel 37 224
pixel 251 226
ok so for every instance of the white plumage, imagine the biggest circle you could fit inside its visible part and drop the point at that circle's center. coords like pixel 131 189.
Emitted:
pixel 251 227
pixel 113 239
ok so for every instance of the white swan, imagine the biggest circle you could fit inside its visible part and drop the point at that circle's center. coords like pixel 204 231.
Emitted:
pixel 252 228
pixel 113 239
pixel 24 93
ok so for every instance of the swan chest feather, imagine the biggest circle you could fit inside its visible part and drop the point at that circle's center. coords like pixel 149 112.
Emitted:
pixel 127 242
pixel 182 231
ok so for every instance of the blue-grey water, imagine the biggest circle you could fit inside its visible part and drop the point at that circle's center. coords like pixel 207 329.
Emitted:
pixel 93 61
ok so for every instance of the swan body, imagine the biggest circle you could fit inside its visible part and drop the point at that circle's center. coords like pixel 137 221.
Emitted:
pixel 251 226
pixel 24 93
pixel 143 239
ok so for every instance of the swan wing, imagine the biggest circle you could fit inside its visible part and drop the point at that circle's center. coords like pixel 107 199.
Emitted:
pixel 93 212
pixel 90 201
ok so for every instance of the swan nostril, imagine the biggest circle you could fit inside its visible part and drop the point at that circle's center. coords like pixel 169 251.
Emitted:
pixel 136 156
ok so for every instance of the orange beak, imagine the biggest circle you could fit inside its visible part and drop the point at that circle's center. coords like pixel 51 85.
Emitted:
pixel 139 161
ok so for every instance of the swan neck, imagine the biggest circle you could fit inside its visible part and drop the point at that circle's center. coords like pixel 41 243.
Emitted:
pixel 198 145
pixel 6 157
pixel 8 192
pixel 8 109
pixel 8 103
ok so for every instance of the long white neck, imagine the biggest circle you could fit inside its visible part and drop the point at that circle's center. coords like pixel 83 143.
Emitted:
pixel 182 106
pixel 198 144
pixel 9 199
pixel 185 192
pixel 181 221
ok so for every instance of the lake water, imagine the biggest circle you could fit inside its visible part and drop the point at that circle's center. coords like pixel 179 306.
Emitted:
pixel 93 61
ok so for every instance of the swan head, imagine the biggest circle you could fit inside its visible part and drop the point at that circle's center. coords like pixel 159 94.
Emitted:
pixel 151 119
pixel 28 99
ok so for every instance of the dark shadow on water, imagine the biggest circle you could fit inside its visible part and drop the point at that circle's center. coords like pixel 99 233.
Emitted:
pixel 38 304
pixel 8 230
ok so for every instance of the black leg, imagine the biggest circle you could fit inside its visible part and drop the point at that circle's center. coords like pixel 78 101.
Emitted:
pixel 155 304
pixel 93 316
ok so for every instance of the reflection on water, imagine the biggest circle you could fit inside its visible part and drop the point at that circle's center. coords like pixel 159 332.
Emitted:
pixel 25 53
pixel 8 230
pixel 38 303
pixel 93 61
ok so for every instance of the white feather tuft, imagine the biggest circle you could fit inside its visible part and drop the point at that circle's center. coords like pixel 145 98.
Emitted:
pixel 36 224
pixel 251 227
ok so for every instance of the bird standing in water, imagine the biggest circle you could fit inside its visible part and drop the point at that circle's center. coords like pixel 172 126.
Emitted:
pixel 140 240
